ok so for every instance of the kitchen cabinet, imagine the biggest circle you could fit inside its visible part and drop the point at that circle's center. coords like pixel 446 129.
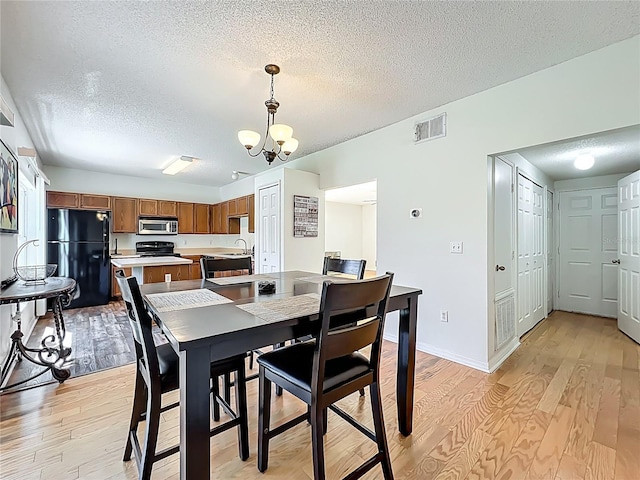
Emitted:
pixel 147 207
pixel 224 218
pixel 115 288
pixel 95 202
pixel 167 208
pixel 124 215
pixel 232 206
pixel 201 218
pixel 185 217
pixel 156 274
pixel 216 222
pixel 194 269
pixel 243 205
pixel 252 214
pixel 62 200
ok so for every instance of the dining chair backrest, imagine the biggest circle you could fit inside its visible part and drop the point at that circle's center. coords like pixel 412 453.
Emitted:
pixel 210 265
pixel 368 299
pixel 140 321
pixel 345 266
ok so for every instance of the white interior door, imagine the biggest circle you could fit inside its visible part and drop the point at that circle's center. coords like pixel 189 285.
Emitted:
pixel 629 255
pixel 531 268
pixel 269 225
pixel 503 241
pixel 588 280
pixel 551 268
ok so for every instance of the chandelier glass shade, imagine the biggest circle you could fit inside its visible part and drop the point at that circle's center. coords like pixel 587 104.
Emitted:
pixel 281 135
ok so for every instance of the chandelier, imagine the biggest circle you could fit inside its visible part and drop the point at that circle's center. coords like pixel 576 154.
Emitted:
pixel 281 134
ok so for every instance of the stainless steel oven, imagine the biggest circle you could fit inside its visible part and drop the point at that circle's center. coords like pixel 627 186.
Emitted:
pixel 157 226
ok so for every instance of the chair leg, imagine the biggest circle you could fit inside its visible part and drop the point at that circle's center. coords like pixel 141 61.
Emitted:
pixel 251 360
pixel 241 411
pixel 317 446
pixel 325 421
pixel 215 392
pixel 278 387
pixel 381 437
pixel 151 435
pixel 139 401
pixel 227 387
pixel 264 415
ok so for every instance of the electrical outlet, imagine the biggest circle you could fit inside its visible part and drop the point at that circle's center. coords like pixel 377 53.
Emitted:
pixel 455 247
pixel 444 315
pixel 167 277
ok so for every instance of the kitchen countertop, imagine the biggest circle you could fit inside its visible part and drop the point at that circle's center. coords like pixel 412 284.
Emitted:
pixel 124 262
pixel 185 251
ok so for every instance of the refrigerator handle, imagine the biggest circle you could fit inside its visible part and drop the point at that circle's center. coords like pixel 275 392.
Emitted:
pixel 105 240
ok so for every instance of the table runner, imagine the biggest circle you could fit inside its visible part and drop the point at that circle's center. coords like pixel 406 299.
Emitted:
pixel 171 301
pixel 284 308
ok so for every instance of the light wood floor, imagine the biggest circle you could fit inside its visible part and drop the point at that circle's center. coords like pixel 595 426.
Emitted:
pixel 566 405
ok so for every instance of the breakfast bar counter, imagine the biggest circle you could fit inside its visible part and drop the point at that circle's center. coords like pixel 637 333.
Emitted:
pixel 137 265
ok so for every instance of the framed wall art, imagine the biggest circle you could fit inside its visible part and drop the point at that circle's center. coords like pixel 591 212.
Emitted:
pixel 8 190
pixel 305 216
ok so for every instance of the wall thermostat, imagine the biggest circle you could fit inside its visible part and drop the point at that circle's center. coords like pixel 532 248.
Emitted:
pixel 415 213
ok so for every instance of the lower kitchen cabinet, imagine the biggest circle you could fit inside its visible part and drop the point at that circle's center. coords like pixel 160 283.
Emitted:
pixel 115 288
pixel 195 272
pixel 156 274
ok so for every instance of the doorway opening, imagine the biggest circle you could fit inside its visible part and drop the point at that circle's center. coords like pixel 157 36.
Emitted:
pixel 569 228
pixel 350 223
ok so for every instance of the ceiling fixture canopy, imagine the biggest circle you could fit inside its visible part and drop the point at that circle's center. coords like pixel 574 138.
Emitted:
pixel 281 135
pixel 584 162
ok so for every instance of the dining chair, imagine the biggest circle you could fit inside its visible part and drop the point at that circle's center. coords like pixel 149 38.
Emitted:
pixel 322 372
pixel 344 266
pixel 157 372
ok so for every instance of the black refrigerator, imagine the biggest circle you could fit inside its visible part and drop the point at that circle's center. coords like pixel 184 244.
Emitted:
pixel 78 242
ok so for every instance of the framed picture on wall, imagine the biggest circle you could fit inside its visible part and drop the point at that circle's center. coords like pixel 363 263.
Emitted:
pixel 8 190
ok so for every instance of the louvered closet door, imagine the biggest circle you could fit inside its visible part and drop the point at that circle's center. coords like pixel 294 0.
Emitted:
pixel 531 269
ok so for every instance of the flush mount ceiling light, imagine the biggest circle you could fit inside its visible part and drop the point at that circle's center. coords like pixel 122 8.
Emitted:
pixel 584 162
pixel 180 164
pixel 236 174
pixel 281 134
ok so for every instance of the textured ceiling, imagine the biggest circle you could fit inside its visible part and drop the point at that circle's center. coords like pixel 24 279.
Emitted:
pixel 615 151
pixel 126 87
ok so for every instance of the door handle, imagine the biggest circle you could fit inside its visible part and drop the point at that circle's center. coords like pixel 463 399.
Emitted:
pixel 616 261
pixel 500 267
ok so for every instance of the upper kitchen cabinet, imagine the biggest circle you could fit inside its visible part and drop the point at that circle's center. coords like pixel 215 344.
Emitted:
pixel 200 218
pixel 95 202
pixel 124 215
pixel 185 217
pixel 232 206
pixel 242 205
pixel 216 221
pixel 167 208
pixel 62 200
pixel 147 207
pixel 252 215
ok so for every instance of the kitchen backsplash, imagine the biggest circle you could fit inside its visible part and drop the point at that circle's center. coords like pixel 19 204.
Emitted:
pixel 127 241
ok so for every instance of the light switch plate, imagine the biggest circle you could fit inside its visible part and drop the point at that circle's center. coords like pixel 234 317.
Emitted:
pixel 456 247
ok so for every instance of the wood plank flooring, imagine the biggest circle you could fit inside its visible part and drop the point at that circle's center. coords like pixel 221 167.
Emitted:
pixel 565 405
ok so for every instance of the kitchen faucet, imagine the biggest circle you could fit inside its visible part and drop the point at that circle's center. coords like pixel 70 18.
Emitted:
pixel 245 250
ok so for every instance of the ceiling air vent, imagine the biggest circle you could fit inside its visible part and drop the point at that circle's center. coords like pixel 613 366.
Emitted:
pixel 6 115
pixel 430 129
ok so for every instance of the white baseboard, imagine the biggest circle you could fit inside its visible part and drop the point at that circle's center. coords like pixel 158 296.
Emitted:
pixel 391 337
pixel 511 347
pixel 454 357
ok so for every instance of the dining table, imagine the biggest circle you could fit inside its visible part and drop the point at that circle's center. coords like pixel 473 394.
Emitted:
pixel 213 319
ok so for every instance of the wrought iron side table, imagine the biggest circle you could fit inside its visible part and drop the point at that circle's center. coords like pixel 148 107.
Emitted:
pixel 52 352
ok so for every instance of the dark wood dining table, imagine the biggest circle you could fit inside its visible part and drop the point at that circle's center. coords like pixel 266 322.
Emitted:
pixel 205 334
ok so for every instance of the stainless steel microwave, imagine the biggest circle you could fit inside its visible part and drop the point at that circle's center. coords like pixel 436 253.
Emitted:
pixel 157 226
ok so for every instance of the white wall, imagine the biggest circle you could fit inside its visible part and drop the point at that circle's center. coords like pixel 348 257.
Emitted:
pixel 13 137
pixel 369 233
pixel 84 181
pixel 602 181
pixel 343 229
pixel 448 179
pixel 529 170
